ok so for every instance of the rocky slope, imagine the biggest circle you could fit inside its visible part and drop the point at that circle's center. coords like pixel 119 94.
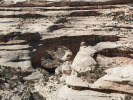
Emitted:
pixel 90 42
pixel 89 80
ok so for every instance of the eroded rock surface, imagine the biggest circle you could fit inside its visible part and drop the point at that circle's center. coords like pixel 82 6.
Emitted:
pixel 116 84
pixel 81 39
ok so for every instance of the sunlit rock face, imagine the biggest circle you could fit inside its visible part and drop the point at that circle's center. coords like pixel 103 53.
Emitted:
pixel 120 77
pixel 98 40
pixel 68 56
pixel 84 59
pixel 81 66
pixel 66 68
pixel 115 84
pixel 12 1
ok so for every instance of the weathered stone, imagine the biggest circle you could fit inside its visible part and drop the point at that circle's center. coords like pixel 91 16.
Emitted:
pixel 31 29
pixel 70 94
pixel 117 79
pixel 34 76
pixel 66 68
pixel 61 3
pixel 83 61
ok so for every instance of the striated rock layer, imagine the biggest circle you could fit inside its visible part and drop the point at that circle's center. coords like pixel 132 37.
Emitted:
pixel 61 2
pixel 97 35
pixel 116 84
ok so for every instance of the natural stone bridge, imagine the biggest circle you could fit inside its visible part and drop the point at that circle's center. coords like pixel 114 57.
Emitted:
pixel 70 42
pixel 32 30
pixel 28 32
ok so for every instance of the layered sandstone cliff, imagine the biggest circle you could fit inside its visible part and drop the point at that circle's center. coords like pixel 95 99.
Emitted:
pixel 96 37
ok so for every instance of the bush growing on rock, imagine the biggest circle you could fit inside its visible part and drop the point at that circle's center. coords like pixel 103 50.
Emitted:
pixel 37 96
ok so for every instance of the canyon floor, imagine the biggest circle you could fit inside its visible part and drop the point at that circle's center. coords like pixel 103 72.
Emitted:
pixel 66 51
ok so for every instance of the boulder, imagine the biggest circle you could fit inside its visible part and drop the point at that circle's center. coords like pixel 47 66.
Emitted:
pixel 83 60
pixel 35 75
pixel 68 56
pixel 76 81
pixel 66 68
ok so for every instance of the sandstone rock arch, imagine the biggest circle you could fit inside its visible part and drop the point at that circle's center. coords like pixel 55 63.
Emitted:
pixel 70 42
